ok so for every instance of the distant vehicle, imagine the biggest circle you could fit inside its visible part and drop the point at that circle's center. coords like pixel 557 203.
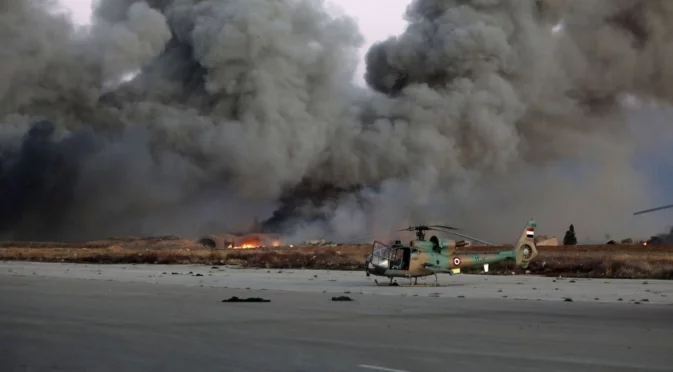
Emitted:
pixel 424 258
pixel 663 238
pixel 321 242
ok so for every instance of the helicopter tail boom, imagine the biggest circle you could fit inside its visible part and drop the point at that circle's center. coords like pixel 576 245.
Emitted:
pixel 525 249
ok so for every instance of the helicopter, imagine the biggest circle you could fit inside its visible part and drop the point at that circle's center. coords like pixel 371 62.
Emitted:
pixel 423 258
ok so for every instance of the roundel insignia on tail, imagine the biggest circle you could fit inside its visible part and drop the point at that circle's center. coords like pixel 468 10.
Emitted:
pixel 456 261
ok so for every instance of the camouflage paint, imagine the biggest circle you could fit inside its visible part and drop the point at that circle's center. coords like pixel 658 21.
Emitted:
pixel 426 260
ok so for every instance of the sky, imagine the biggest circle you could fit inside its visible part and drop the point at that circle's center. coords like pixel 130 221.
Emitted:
pixel 376 22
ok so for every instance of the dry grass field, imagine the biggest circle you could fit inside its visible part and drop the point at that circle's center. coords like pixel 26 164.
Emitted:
pixel 597 261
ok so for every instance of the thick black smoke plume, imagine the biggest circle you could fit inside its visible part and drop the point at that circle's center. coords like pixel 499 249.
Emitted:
pixel 38 181
pixel 241 108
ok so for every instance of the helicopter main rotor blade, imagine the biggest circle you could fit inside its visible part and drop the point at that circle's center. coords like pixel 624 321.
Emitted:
pixel 445 227
pixel 416 228
pixel 653 209
pixel 468 237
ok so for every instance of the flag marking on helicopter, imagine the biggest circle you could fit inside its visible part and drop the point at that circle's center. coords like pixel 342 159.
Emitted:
pixel 530 232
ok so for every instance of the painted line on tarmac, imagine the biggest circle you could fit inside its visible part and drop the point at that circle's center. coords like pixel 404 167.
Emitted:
pixel 381 368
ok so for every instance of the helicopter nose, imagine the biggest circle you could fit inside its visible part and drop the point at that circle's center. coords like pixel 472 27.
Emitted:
pixel 370 267
pixel 374 265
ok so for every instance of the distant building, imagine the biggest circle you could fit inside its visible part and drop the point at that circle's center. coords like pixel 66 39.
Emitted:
pixel 543 240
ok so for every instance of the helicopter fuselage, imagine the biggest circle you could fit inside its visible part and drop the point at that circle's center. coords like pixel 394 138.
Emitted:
pixel 422 259
pixel 434 256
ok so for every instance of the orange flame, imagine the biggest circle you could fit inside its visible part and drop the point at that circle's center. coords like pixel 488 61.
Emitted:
pixel 248 244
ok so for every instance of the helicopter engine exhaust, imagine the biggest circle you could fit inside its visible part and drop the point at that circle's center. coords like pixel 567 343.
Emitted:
pixel 463 243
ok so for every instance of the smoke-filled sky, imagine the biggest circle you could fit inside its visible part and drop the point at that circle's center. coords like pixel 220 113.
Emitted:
pixel 477 114
pixel 376 22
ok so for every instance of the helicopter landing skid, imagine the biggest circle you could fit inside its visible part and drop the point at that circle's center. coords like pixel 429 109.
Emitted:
pixel 391 284
pixel 411 285
pixel 413 282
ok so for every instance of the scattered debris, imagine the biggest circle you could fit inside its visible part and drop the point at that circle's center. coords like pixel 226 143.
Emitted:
pixel 249 299
pixel 568 299
pixel 198 274
pixel 342 298
pixel 572 281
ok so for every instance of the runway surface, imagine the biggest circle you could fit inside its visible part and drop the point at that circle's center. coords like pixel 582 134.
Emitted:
pixel 56 317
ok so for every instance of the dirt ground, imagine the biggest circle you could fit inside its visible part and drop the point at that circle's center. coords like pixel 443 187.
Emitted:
pixel 613 261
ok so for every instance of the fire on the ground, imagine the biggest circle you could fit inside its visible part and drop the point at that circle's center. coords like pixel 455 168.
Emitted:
pixel 249 241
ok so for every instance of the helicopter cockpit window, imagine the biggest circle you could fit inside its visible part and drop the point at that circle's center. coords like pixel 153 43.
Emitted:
pixel 380 254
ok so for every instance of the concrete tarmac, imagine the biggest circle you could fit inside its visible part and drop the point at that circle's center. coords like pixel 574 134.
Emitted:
pixel 57 317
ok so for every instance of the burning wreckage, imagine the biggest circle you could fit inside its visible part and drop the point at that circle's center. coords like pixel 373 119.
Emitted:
pixel 246 241
pixel 254 240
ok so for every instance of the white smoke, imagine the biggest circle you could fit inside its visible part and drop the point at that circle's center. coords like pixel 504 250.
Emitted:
pixel 242 104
